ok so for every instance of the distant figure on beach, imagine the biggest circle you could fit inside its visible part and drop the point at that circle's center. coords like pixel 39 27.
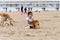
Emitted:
pixel 22 9
pixel 29 9
pixel 57 9
pixel 25 9
pixel 43 9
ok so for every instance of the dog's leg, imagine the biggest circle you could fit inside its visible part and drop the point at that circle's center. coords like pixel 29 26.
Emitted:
pixel 11 24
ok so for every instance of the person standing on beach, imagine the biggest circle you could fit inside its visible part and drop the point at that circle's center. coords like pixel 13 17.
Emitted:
pixel 43 9
pixel 57 9
pixel 29 9
pixel 25 9
pixel 22 9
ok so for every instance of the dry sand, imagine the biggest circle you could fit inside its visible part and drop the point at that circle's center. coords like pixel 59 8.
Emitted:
pixel 49 27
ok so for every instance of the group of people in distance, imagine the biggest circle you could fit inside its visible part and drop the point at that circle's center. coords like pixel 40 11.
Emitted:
pixel 23 10
pixel 26 9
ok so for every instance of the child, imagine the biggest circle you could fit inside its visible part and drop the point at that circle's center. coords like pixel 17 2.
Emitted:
pixel 29 19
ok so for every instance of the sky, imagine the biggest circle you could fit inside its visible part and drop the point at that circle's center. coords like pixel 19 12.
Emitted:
pixel 29 0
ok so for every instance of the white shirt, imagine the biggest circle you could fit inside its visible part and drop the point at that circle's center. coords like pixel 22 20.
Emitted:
pixel 29 19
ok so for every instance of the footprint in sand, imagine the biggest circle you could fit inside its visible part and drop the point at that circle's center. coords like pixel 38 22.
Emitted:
pixel 29 35
pixel 11 33
pixel 7 34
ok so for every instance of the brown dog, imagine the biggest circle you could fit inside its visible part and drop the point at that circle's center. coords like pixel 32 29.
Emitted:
pixel 34 24
pixel 6 20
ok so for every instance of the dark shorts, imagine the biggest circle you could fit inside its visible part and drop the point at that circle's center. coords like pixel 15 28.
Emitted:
pixel 31 27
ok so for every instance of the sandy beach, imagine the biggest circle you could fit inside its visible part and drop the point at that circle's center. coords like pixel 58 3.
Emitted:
pixel 49 27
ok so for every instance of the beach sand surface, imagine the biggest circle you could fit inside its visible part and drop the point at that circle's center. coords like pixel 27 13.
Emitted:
pixel 49 27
